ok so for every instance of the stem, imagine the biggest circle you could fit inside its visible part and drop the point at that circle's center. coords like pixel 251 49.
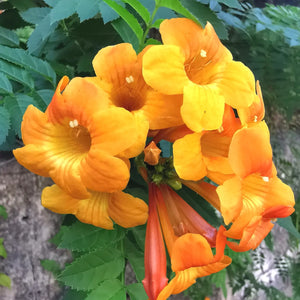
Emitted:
pixel 122 275
pixel 148 26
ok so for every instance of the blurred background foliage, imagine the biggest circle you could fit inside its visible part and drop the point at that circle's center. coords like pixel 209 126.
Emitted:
pixel 42 40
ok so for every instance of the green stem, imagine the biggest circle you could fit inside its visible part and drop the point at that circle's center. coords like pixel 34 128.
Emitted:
pixel 122 248
pixel 149 26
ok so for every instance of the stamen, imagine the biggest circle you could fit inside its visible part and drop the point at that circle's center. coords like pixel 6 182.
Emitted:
pixel 255 119
pixel 203 53
pixel 73 123
pixel 265 178
pixel 129 79
pixel 221 129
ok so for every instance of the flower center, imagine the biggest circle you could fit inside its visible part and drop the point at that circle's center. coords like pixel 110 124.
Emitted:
pixel 79 138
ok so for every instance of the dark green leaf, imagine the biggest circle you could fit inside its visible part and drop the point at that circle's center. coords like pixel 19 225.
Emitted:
pixel 289 226
pixel 75 295
pixel 139 233
pixel 4 280
pixel 22 5
pixel 8 37
pixel 127 17
pixel 86 9
pixel 82 237
pixel 51 266
pixel 231 3
pixel 2 249
pixel 111 289
pixel 136 291
pixel 219 280
pixel 5 85
pixel 86 272
pixel 24 59
pixel 3 212
pixel 107 13
pixel 4 127
pixel 45 96
pixel 140 9
pixel 10 143
pixel 62 10
pixel 16 73
pixel 35 15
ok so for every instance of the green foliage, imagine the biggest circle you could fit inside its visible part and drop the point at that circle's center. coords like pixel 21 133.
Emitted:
pixel 3 212
pixel 5 280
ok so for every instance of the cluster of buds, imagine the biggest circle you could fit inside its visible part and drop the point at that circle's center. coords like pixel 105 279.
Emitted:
pixel 190 92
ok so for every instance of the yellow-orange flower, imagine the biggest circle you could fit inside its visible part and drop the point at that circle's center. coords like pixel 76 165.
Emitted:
pixel 193 62
pixel 119 72
pixel 80 142
pixel 99 209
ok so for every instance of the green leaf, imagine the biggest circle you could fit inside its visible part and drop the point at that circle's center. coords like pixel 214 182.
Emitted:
pixel 109 290
pixel 2 249
pixel 8 37
pixel 5 280
pixel 35 15
pixel 5 85
pixel 203 14
pixel 24 59
pixel 127 17
pixel 126 33
pixel 86 9
pixel 289 226
pixel 62 10
pixel 75 295
pixel 45 96
pixel 4 128
pixel 219 279
pixel 231 3
pixel 107 13
pixel 140 9
pixel 10 142
pixel 82 237
pixel 17 106
pixel 139 233
pixel 3 212
pixel 136 291
pixel 86 272
pixel 16 73
pixel 51 266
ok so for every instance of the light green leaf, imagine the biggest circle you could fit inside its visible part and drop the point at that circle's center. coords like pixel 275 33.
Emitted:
pixel 62 10
pixel 4 128
pixel 2 249
pixel 8 37
pixel 17 74
pixel 17 106
pixel 107 13
pixel 127 17
pixel 24 59
pixel 140 9
pixel 86 9
pixel 231 3
pixel 287 223
pixel 86 272
pixel 5 280
pixel 35 15
pixel 136 291
pixel 5 85
pixel 219 280
pixel 109 290
pixel 51 266
pixel 82 237
pixel 3 212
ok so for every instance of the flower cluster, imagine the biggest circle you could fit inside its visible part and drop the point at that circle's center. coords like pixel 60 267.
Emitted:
pixel 188 91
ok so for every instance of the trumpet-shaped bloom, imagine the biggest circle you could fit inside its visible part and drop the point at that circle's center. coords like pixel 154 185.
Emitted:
pixel 79 141
pixel 203 70
pixel 119 73
pixel 99 209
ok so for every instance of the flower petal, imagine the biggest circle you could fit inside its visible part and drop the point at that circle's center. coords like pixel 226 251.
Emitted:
pixel 126 210
pixel 203 107
pixel 162 66
pixel 188 161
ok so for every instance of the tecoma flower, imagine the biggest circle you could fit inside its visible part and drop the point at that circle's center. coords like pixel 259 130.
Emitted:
pixel 119 72
pixel 192 61
pixel 99 209
pixel 255 195
pixel 80 142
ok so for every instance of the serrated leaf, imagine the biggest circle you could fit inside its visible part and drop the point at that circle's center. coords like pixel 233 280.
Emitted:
pixel 2 249
pixel 5 85
pixel 4 127
pixel 86 9
pixel 62 10
pixel 8 37
pixel 82 237
pixel 45 96
pixel 127 17
pixel 219 280
pixel 125 32
pixel 10 142
pixel 24 59
pixel 17 106
pixel 107 13
pixel 51 266
pixel 16 73
pixel 136 291
pixel 35 15
pixel 3 212
pixel 109 290
pixel 231 3
pixel 140 9
pixel 5 280
pixel 75 295
pixel 287 223
pixel 86 272
pixel 139 233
